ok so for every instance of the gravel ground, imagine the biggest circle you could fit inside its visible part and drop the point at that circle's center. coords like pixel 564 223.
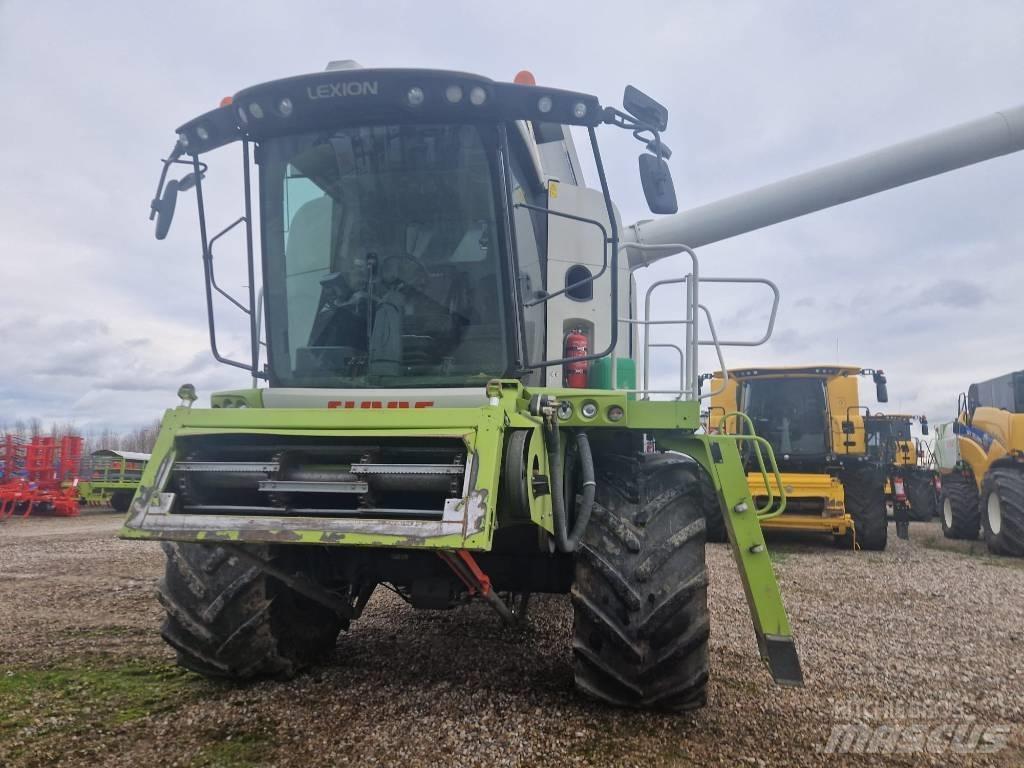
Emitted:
pixel 927 634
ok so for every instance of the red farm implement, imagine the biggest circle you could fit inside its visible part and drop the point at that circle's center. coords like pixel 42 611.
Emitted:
pixel 39 475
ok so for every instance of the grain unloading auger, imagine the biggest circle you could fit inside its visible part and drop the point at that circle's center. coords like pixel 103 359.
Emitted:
pixel 438 283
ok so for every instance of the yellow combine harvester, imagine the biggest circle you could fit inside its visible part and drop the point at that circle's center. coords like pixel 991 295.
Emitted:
pixel 813 418
pixel 981 458
pixel 908 487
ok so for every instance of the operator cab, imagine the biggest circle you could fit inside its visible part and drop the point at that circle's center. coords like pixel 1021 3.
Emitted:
pixel 402 222
pixel 886 436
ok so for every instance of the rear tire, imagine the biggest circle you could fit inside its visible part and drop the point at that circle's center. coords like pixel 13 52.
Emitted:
pixel 864 489
pixel 921 493
pixel 1001 509
pixel 958 505
pixel 640 610
pixel 226 618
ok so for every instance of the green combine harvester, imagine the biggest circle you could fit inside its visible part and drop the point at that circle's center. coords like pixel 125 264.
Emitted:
pixel 453 404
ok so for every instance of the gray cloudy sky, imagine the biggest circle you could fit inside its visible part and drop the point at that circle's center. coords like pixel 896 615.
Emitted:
pixel 99 323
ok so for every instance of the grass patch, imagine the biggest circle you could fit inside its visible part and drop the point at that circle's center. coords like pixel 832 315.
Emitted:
pixel 41 708
pixel 240 750
pixel 108 631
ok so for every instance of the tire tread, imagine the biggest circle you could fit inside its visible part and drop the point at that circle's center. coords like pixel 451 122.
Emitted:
pixel 641 621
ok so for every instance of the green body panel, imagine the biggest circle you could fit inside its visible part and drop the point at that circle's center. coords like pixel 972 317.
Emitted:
pixel 480 428
pixel 100 491
pixel 237 398
pixel 484 431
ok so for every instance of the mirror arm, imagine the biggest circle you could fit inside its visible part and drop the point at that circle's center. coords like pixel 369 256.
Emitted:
pixel 174 157
pixel 620 119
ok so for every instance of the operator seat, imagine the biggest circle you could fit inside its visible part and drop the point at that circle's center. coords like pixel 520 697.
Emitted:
pixel 308 257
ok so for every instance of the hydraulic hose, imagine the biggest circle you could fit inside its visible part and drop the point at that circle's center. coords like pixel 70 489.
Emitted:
pixel 565 540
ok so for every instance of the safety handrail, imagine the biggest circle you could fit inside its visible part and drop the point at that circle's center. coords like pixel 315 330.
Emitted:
pixel 689 374
pixel 771 317
pixel 766 512
pixel 689 369
pixel 684 390
pixel 718 353
pixel 682 359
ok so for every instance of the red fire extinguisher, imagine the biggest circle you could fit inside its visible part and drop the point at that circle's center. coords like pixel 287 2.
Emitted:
pixel 576 371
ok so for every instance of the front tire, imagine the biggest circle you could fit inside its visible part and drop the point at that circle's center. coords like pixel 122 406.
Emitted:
pixel 226 618
pixel 640 610
pixel 864 489
pixel 1001 508
pixel 958 504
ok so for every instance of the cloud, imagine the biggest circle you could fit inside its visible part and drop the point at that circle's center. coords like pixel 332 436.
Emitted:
pixel 961 294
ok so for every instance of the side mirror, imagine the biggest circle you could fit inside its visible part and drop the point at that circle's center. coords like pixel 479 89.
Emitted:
pixel 924 426
pixel 164 208
pixel 658 187
pixel 881 391
pixel 645 109
pixel 187 181
pixel 848 428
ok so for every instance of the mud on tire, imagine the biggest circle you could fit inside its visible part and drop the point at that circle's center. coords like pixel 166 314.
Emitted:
pixel 958 507
pixel 226 618
pixel 640 613
pixel 1001 508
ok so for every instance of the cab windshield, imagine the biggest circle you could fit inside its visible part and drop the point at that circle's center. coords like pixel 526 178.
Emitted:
pixel 883 434
pixel 790 413
pixel 383 257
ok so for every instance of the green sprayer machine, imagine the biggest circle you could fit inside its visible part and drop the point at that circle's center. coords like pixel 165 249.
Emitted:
pixel 110 478
pixel 454 393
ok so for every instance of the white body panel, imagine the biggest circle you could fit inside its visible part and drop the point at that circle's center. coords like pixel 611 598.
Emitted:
pixel 559 161
pixel 571 243
pixel 947 449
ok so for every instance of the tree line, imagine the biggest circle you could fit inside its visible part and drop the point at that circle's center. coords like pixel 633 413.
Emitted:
pixel 140 439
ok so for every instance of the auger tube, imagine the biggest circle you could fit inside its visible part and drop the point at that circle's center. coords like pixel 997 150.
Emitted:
pixel 998 134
